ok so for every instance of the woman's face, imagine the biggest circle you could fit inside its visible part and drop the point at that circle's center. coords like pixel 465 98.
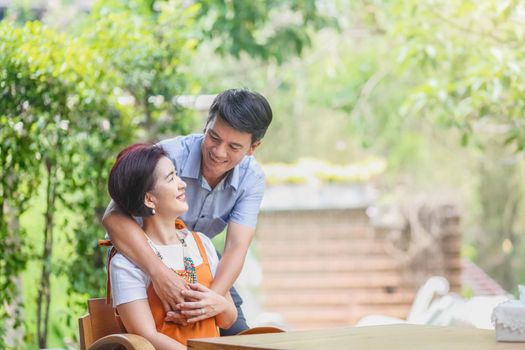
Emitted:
pixel 168 193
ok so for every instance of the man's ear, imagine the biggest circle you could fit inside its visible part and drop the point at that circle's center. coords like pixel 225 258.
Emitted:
pixel 150 200
pixel 253 147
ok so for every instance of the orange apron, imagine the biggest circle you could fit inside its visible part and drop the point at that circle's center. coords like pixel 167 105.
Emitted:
pixel 203 329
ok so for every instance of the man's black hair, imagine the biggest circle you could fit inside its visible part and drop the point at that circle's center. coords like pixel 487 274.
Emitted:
pixel 243 110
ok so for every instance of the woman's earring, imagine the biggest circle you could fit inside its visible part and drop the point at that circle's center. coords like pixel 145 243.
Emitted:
pixel 153 211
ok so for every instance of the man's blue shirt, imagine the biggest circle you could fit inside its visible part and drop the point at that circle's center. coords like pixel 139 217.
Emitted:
pixel 236 198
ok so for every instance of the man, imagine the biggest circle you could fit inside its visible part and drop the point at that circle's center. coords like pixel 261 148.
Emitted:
pixel 225 186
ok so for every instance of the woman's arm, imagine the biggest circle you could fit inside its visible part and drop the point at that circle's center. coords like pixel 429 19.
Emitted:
pixel 137 319
pixel 128 237
pixel 208 303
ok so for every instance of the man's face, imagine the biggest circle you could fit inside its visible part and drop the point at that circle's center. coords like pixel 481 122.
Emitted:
pixel 223 148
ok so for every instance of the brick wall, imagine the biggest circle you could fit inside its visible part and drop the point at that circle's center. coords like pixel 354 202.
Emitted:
pixel 331 267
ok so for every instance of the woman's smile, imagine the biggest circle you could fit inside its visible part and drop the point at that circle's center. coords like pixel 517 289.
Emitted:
pixel 181 197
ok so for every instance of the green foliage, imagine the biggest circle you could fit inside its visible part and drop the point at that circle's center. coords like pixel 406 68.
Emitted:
pixel 470 58
pixel 268 30
pixel 55 101
pixel 149 54
pixel 471 53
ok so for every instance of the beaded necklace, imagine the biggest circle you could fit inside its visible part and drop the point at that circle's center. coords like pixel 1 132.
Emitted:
pixel 189 273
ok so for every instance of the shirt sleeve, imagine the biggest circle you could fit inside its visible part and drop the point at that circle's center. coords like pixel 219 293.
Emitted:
pixel 138 219
pixel 213 258
pixel 174 148
pixel 247 207
pixel 128 281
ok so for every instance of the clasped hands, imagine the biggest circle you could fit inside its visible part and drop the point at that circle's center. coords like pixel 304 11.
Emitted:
pixel 188 303
pixel 199 304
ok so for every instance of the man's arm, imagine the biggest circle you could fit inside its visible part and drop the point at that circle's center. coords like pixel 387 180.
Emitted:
pixel 238 239
pixel 241 228
pixel 129 239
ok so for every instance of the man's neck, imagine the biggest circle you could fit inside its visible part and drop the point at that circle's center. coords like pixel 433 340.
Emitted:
pixel 213 181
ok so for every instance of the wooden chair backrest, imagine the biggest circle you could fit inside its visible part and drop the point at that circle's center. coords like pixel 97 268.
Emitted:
pixel 99 322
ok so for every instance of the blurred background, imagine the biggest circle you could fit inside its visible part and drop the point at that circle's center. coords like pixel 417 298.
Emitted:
pixel 395 153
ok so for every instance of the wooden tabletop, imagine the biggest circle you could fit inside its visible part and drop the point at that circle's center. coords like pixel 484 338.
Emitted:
pixel 391 337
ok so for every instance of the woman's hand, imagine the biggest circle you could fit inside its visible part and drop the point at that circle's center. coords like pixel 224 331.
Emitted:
pixel 202 303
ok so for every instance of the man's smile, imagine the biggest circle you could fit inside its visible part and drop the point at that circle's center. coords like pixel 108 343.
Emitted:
pixel 215 160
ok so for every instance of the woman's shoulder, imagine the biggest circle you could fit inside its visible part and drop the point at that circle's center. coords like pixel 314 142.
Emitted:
pixel 120 261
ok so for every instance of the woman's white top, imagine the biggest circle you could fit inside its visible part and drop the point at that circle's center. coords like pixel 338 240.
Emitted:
pixel 130 283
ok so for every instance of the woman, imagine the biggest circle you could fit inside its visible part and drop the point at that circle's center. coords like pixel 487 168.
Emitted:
pixel 144 182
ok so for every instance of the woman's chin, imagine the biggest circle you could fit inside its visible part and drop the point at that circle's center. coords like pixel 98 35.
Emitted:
pixel 182 210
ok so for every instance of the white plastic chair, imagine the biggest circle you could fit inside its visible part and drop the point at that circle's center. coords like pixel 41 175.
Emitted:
pixel 425 308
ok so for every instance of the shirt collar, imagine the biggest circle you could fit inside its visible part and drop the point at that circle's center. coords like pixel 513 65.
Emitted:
pixel 192 168
pixel 233 177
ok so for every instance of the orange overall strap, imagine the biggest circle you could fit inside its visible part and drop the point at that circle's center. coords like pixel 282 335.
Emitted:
pixel 200 245
pixel 112 253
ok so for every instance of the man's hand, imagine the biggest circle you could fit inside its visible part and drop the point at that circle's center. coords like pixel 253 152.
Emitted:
pixel 207 303
pixel 168 286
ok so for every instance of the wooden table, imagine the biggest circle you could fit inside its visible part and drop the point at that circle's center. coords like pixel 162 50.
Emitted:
pixel 391 337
